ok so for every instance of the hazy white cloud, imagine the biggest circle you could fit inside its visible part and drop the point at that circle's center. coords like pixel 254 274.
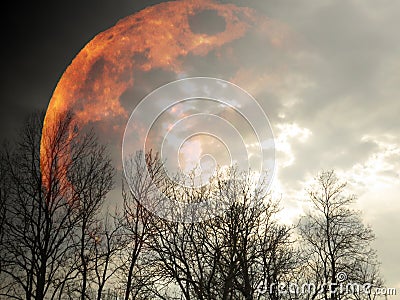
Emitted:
pixel 334 104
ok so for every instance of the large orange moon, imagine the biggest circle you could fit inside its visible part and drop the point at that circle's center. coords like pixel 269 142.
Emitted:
pixel 165 42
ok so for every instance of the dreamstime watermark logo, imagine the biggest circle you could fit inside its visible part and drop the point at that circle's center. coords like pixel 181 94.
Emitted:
pixel 341 287
pixel 341 277
pixel 200 128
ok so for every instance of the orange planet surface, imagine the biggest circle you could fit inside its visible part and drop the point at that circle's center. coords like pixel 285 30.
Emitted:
pixel 161 43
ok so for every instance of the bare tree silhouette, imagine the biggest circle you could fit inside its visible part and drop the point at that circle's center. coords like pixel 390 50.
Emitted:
pixel 335 242
pixel 231 255
pixel 91 178
pixel 60 241
pixel 44 205
pixel 137 222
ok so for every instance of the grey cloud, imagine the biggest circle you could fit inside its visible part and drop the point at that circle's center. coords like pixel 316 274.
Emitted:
pixel 349 53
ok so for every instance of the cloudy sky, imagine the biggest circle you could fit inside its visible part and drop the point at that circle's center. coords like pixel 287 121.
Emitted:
pixel 332 99
pixel 340 109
